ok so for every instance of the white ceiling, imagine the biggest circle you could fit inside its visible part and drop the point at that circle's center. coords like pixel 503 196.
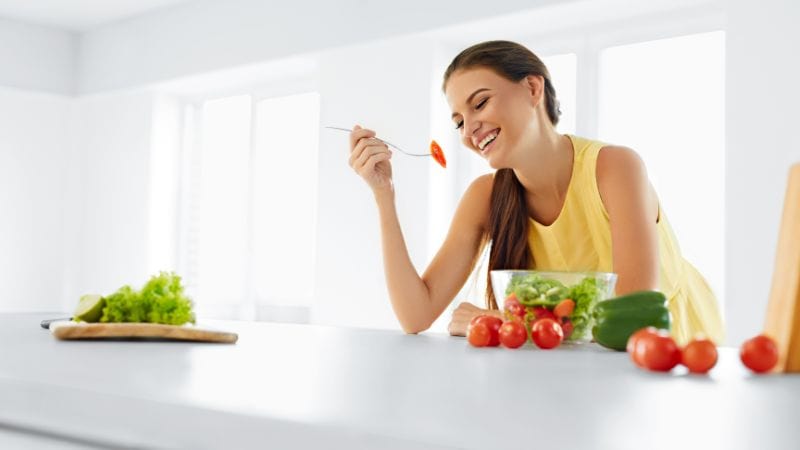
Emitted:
pixel 78 15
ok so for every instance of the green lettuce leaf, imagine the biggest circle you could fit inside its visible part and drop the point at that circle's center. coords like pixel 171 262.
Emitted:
pixel 161 300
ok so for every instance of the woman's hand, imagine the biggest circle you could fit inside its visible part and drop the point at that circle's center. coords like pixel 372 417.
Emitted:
pixel 463 314
pixel 369 157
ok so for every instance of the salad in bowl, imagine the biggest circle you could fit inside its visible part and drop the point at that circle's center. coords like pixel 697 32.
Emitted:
pixel 567 297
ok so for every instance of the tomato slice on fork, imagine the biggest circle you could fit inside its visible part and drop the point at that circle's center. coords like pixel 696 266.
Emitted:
pixel 438 154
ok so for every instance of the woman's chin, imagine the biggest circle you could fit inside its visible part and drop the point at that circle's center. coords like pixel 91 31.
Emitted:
pixel 494 163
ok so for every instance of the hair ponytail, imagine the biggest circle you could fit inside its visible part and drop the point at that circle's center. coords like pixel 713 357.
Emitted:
pixel 508 217
pixel 508 229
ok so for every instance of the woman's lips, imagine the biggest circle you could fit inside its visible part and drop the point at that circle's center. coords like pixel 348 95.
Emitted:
pixel 490 145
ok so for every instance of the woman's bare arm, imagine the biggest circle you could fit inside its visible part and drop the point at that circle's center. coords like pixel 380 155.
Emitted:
pixel 632 207
pixel 418 301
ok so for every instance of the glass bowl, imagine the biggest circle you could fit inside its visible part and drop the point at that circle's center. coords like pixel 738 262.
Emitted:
pixel 539 292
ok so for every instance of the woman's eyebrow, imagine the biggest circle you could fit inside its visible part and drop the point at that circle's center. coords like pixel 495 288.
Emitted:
pixel 469 99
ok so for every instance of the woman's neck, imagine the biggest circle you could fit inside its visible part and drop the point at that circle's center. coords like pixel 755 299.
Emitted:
pixel 546 168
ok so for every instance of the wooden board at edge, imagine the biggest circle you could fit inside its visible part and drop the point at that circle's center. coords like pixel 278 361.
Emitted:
pixel 82 330
pixel 783 310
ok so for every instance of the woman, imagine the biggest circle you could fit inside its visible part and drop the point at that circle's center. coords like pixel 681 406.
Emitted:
pixel 555 202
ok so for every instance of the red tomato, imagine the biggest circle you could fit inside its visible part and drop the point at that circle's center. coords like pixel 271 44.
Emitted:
pixel 491 322
pixel 564 308
pixel 513 308
pixel 543 313
pixel 513 334
pixel 438 154
pixel 567 327
pixel 759 354
pixel 661 353
pixel 547 333
pixel 699 355
pixel 511 299
pixel 635 349
pixel 479 335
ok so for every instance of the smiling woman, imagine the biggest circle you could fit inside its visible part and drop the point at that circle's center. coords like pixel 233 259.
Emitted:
pixel 556 201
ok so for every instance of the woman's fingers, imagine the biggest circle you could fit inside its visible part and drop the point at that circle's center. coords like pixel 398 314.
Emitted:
pixel 359 133
pixel 368 152
pixel 462 315
pixel 363 145
pixel 375 159
pixel 369 158
pixel 365 165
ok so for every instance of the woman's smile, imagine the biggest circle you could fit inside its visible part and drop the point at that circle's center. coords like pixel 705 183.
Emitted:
pixel 487 141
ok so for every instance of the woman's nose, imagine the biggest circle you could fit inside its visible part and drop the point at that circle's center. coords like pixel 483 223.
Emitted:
pixel 470 128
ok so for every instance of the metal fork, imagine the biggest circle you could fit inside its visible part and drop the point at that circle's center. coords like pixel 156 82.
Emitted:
pixel 384 141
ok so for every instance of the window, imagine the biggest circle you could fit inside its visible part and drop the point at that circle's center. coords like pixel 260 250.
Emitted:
pixel 666 100
pixel 248 224
pixel 563 73
pixel 287 135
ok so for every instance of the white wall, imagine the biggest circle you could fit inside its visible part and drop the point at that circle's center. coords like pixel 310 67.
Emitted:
pixel 37 58
pixel 209 35
pixel 74 178
pixel 33 152
pixel 37 68
pixel 108 213
pixel 762 102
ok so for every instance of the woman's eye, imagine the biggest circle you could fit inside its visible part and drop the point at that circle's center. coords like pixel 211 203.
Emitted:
pixel 481 103
pixel 459 125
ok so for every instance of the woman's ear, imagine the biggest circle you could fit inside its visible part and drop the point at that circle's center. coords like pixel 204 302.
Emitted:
pixel 535 87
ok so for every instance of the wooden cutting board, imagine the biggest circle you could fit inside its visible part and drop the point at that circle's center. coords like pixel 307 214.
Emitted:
pixel 783 310
pixel 67 330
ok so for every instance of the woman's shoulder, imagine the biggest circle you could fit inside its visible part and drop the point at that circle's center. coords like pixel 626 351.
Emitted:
pixel 481 186
pixel 601 158
pixel 475 202
pixel 621 178
pixel 617 160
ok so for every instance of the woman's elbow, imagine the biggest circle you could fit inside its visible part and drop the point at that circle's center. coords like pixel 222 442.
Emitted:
pixel 414 328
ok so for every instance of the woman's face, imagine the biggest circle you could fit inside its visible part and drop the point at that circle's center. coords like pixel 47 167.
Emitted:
pixel 493 115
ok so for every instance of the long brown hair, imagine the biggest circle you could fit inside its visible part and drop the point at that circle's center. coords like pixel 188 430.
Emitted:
pixel 508 217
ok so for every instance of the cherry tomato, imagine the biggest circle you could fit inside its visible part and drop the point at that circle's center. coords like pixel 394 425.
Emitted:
pixel 511 299
pixel 543 313
pixel 661 353
pixel 634 349
pixel 491 322
pixel 513 334
pixel 438 154
pixel 759 354
pixel 699 355
pixel 513 307
pixel 547 333
pixel 567 327
pixel 564 308
pixel 479 335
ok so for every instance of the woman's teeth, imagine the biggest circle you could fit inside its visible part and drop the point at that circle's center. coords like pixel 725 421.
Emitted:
pixel 488 139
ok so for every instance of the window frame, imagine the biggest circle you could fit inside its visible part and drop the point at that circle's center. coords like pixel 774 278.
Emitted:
pixel 251 307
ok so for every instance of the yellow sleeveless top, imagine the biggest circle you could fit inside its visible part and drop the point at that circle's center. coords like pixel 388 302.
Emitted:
pixel 580 240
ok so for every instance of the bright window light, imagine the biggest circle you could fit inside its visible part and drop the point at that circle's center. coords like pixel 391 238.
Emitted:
pixel 285 199
pixel 249 209
pixel 223 201
pixel 562 70
pixel 666 100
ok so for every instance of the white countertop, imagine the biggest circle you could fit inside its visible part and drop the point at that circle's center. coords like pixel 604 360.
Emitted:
pixel 302 386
